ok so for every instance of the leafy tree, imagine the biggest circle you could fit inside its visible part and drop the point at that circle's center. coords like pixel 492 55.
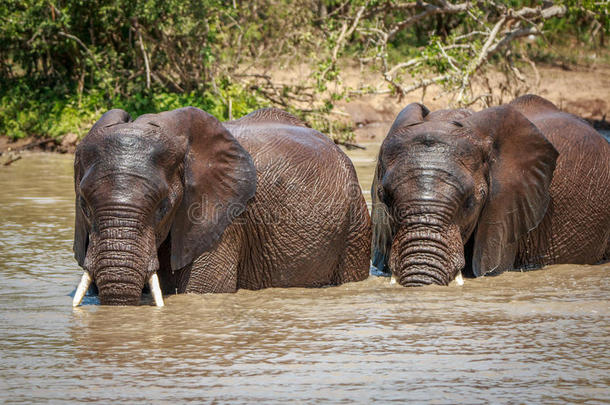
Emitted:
pixel 63 62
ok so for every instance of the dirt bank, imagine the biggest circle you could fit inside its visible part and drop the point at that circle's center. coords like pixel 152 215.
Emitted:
pixel 10 151
pixel 578 89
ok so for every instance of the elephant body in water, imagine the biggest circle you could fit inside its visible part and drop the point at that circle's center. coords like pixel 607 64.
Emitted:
pixel 517 186
pixel 189 204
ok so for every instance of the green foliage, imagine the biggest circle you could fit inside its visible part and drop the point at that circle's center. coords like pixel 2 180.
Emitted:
pixel 29 110
pixel 583 19
pixel 64 62
pixel 242 102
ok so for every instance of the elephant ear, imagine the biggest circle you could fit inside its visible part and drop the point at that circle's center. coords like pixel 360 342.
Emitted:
pixel 382 231
pixel 81 234
pixel 219 179
pixel 81 229
pixel 521 163
pixel 112 117
pixel 411 114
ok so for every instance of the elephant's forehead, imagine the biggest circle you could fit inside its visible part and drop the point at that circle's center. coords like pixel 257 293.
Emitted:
pixel 446 146
pixel 120 181
pixel 128 138
pixel 434 136
pixel 130 146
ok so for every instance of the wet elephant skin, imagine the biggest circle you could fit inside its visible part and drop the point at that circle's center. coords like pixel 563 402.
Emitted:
pixel 517 186
pixel 214 207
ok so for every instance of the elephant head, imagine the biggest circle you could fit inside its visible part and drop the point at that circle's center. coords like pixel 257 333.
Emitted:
pixel 455 189
pixel 177 178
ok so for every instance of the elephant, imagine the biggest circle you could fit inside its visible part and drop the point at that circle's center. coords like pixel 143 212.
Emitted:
pixel 182 203
pixel 517 186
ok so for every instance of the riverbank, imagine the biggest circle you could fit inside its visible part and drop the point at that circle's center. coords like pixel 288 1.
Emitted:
pixel 578 89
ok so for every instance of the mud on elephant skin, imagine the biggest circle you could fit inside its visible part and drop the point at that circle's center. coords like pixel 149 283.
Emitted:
pixel 186 203
pixel 516 186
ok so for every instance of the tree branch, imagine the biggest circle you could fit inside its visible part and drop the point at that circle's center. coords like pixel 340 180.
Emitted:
pixel 429 10
pixel 81 43
pixel 145 56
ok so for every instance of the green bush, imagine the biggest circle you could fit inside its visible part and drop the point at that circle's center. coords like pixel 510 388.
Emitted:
pixel 26 109
pixel 64 62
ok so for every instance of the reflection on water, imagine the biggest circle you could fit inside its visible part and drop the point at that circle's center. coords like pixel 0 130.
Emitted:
pixel 518 337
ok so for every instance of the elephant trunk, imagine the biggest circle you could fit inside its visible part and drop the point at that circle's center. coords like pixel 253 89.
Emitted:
pixel 124 259
pixel 120 275
pixel 423 255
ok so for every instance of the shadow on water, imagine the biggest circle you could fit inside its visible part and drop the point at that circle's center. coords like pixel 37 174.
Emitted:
pixel 519 337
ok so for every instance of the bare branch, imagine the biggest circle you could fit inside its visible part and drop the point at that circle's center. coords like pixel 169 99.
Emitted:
pixel 429 10
pixel 409 63
pixel 449 58
pixel 532 13
pixel 509 26
pixel 145 56
pixel 484 54
pixel 78 41
pixel 425 83
pixel 345 33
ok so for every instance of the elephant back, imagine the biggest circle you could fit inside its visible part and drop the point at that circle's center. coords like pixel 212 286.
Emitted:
pixel 268 115
pixel 578 218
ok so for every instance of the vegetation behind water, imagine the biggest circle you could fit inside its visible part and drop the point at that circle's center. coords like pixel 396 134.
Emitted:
pixel 64 62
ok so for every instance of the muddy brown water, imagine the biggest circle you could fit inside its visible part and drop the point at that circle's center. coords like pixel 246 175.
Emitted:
pixel 540 336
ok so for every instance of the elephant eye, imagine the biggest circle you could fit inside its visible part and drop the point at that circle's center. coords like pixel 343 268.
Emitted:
pixel 84 208
pixel 385 195
pixel 162 210
pixel 469 202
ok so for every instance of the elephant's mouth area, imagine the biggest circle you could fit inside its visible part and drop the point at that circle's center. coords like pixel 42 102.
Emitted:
pixel 419 277
pixel 424 255
pixel 416 265
pixel 118 299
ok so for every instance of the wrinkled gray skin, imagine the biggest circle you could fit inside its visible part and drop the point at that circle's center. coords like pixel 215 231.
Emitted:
pixel 258 202
pixel 517 186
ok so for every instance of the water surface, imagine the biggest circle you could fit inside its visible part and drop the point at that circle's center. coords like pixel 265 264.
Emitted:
pixel 519 337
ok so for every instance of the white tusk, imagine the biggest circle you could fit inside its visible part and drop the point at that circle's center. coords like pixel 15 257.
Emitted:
pixel 393 280
pixel 82 288
pixel 459 280
pixel 155 290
